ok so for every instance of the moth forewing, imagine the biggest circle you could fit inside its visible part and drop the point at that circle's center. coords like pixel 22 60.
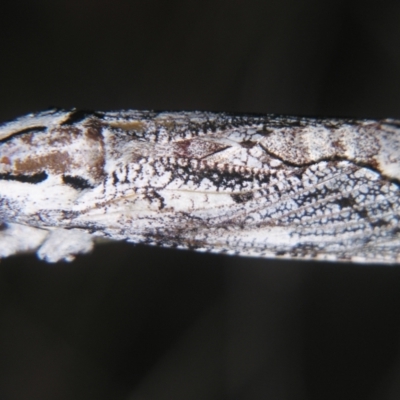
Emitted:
pixel 256 185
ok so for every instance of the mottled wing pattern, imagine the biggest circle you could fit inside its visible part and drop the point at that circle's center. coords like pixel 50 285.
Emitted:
pixel 238 184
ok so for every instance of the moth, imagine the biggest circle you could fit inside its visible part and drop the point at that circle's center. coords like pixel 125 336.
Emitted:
pixel 251 185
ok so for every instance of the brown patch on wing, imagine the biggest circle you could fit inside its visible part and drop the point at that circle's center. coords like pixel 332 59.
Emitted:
pixel 128 125
pixel 248 144
pixel 5 160
pixel 57 162
pixel 92 153
pixel 94 133
pixel 62 136
pixel 196 148
pixel 66 150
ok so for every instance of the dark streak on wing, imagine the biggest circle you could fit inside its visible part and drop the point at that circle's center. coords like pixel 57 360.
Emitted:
pixel 24 131
pixel 76 182
pixel 215 152
pixel 115 178
pixel 35 178
pixel 242 197
pixel 78 116
pixel 371 166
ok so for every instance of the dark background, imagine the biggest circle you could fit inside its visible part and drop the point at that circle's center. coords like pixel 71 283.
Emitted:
pixel 134 322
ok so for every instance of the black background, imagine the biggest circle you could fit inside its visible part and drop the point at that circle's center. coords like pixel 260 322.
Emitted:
pixel 135 322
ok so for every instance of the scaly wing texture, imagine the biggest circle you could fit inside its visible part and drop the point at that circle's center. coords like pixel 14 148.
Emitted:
pixel 264 186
